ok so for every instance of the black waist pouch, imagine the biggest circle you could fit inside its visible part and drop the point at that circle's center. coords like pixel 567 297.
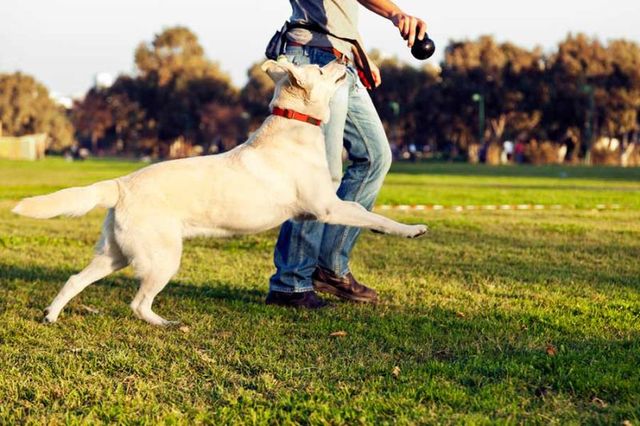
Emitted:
pixel 276 45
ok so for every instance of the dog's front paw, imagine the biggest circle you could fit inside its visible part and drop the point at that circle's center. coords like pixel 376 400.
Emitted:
pixel 417 231
pixel 49 317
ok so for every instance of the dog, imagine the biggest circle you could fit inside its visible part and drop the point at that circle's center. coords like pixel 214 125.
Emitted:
pixel 279 173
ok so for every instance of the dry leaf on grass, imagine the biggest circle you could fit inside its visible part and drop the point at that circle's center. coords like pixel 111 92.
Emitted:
pixel 599 403
pixel 460 314
pixel 396 371
pixel 338 334
pixel 184 328
pixel 204 356
pixel 551 350
pixel 89 309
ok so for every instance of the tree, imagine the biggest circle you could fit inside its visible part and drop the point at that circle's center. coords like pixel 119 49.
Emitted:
pixel 508 78
pixel 175 88
pixel 26 108
pixel 181 81
pixel 256 95
pixel 620 118
pixel 222 125
pixel 92 117
pixel 577 74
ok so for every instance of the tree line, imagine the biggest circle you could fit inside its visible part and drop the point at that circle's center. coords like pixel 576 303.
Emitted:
pixel 482 93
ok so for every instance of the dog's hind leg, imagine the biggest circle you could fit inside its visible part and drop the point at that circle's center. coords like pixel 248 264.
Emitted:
pixel 155 270
pixel 353 214
pixel 108 259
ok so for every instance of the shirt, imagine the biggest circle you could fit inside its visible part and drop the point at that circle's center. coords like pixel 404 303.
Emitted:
pixel 338 17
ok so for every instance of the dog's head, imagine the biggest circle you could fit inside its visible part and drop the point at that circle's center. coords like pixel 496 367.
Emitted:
pixel 307 88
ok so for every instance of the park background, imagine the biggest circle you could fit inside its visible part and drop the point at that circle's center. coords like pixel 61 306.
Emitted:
pixel 522 305
pixel 483 99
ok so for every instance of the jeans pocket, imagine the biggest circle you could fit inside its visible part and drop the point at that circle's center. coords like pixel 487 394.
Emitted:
pixel 297 55
pixel 356 84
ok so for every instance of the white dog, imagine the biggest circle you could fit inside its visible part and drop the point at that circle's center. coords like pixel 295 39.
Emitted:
pixel 279 173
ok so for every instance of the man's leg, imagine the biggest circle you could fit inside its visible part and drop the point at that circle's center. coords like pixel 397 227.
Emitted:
pixel 298 246
pixel 370 156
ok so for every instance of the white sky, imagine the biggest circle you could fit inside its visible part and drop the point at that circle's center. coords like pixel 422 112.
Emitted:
pixel 64 43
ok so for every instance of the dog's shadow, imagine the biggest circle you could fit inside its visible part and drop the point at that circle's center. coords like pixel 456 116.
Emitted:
pixel 50 280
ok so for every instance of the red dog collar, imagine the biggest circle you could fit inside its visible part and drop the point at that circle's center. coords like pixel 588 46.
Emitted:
pixel 294 115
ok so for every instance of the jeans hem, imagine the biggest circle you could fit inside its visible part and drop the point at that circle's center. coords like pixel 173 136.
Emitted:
pixel 290 289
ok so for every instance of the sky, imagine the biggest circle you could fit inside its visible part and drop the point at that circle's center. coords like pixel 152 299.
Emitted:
pixel 65 43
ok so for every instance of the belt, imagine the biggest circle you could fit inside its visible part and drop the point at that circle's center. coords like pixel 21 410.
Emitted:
pixel 340 57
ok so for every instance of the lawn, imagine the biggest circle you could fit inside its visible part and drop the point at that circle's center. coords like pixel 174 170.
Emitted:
pixel 494 317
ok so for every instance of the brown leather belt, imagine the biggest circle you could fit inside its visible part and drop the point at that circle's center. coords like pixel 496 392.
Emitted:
pixel 340 57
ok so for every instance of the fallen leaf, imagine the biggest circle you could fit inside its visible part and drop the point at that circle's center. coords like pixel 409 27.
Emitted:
pixel 551 350
pixel 203 356
pixel 184 329
pixel 627 423
pixel 396 371
pixel 130 378
pixel 460 314
pixel 599 403
pixel 89 309
pixel 338 334
pixel 129 382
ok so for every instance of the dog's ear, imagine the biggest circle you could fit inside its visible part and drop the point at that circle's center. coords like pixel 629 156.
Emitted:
pixel 273 70
pixel 278 69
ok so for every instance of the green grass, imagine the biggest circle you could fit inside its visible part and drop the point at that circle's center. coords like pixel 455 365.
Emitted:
pixel 469 314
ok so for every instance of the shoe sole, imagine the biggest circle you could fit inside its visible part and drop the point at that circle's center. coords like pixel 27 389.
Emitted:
pixel 288 305
pixel 324 288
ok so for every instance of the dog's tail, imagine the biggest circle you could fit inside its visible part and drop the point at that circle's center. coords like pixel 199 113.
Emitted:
pixel 70 202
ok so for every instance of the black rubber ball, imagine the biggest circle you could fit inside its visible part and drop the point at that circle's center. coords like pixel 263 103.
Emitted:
pixel 423 49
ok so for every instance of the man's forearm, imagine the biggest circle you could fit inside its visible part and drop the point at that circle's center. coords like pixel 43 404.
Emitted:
pixel 385 8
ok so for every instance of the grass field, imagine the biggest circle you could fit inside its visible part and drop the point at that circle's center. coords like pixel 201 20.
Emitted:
pixel 494 317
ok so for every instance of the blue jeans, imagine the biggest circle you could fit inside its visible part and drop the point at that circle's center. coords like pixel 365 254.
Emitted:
pixel 354 124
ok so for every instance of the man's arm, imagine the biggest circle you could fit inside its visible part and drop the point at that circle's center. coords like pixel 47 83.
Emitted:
pixel 409 26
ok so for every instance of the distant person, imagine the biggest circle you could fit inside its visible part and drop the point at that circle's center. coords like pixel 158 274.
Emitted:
pixel 507 152
pixel 570 143
pixel 482 153
pixel 519 151
pixel 413 152
pixel 309 254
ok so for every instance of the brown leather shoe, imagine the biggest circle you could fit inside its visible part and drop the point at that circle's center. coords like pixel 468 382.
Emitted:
pixel 344 287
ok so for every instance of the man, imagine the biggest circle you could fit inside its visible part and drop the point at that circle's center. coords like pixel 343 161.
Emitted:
pixel 309 255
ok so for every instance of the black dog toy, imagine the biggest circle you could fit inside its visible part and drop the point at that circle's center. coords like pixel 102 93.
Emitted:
pixel 423 49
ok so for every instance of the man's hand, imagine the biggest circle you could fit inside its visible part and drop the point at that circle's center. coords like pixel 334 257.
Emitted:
pixel 410 27
pixel 375 72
